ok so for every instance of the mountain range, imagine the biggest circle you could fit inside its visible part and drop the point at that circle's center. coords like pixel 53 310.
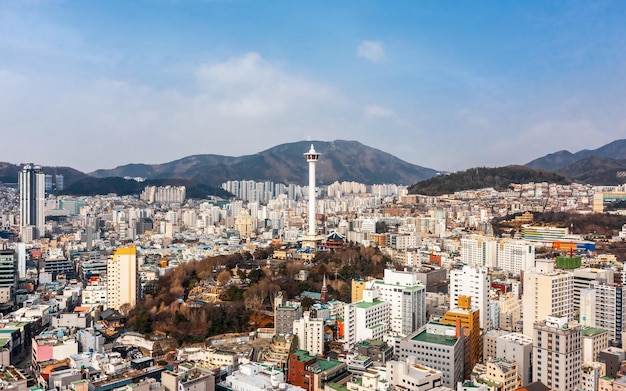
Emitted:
pixel 340 160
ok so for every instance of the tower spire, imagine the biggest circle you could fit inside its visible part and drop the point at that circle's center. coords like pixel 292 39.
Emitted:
pixel 324 292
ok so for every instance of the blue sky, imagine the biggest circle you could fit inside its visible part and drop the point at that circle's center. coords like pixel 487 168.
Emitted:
pixel 445 85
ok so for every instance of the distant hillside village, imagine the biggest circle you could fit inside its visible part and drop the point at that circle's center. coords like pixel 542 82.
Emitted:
pixel 346 287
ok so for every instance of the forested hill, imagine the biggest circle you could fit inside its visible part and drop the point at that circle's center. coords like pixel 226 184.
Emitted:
pixel 499 178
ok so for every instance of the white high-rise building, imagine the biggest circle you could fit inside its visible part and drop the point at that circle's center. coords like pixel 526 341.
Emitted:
pixel 610 304
pixel 407 297
pixel 546 294
pixel 478 251
pixel 474 283
pixel 122 278
pixel 310 332
pixel 515 255
pixel 366 319
pixel 32 199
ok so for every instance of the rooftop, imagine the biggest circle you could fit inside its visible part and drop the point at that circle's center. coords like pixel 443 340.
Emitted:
pixel 367 304
pixel 591 331
pixel 435 339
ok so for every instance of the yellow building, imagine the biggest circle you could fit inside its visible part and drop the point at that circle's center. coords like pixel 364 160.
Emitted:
pixel 358 286
pixel 503 372
pixel 469 320
pixel 122 278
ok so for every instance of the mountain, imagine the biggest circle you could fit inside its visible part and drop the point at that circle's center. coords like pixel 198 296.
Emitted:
pixel 600 166
pixel 484 177
pixel 340 161
pixel 596 170
pixel 559 160
pixel 9 173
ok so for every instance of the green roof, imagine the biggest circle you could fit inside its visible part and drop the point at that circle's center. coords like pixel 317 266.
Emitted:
pixel 303 355
pixel 337 387
pixel 591 331
pixel 367 304
pixel 376 326
pixel 327 365
pixel 4 341
pixel 435 339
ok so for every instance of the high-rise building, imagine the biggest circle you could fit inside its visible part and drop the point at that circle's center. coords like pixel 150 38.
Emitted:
pixel 366 319
pixel 438 346
pixel 474 283
pixel 478 251
pixel 546 294
pixel 610 303
pixel 122 278
pixel 310 332
pixel 8 274
pixel 556 353
pixel 32 198
pixel 515 255
pixel 407 297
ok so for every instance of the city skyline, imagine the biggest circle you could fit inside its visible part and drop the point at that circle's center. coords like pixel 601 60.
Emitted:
pixel 456 85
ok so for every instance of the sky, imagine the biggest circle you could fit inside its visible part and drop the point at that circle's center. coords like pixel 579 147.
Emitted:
pixel 447 85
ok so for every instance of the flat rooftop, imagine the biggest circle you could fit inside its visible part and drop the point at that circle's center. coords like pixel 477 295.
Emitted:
pixel 435 339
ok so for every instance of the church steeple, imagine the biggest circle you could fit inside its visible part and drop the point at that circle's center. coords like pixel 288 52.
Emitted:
pixel 324 293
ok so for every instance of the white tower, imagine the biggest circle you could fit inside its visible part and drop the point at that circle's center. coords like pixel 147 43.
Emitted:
pixel 312 156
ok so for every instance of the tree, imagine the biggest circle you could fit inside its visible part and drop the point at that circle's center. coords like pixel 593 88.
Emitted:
pixel 223 277
pixel 256 275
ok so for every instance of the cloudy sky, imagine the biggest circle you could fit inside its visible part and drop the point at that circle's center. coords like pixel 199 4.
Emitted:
pixel 445 85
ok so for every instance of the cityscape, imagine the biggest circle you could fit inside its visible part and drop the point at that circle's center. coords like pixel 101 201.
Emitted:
pixel 345 286
pixel 291 196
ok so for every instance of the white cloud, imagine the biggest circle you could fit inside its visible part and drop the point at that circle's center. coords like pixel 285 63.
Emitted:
pixel 238 106
pixel 375 111
pixel 372 51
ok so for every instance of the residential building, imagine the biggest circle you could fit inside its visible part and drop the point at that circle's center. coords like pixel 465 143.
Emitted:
pixel 556 353
pixel 122 278
pixel 474 283
pixel 546 294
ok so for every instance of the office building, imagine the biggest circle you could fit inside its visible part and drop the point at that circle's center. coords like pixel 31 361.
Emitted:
pixel 32 198
pixel 438 346
pixel 407 298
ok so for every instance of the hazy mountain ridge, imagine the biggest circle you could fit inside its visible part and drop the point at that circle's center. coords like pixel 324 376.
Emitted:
pixel 597 167
pixel 340 161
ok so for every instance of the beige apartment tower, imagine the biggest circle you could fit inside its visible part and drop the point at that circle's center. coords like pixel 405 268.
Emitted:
pixel 122 278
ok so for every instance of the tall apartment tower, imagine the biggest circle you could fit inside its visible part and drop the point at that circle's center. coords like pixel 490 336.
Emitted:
pixel 546 294
pixel 474 283
pixel 515 255
pixel 32 197
pixel 479 251
pixel 556 353
pixel 122 278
